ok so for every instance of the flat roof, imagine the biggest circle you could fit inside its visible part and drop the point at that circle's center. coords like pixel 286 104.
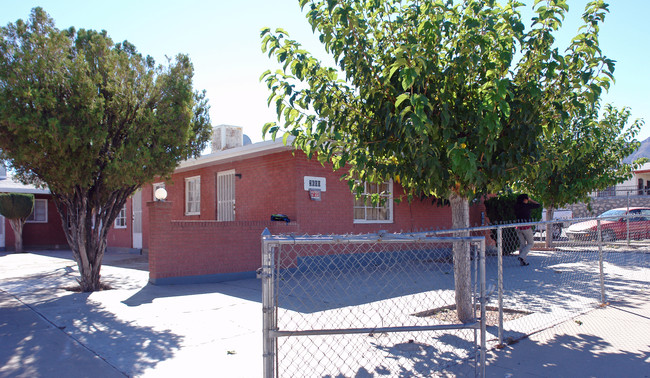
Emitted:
pixel 10 184
pixel 234 154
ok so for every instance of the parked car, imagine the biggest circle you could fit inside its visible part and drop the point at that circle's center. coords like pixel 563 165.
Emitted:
pixel 614 225
pixel 564 215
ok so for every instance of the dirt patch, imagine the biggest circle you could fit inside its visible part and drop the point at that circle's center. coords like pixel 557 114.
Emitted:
pixel 448 314
pixel 77 288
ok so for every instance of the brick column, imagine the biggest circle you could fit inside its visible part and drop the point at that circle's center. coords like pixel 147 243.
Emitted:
pixel 160 215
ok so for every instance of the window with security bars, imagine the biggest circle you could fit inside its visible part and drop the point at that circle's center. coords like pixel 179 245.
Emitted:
pixel 120 221
pixel 367 212
pixel 226 196
pixel 193 195
pixel 39 215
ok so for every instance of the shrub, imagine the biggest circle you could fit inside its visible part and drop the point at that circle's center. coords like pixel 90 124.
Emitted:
pixel 501 210
pixel 16 207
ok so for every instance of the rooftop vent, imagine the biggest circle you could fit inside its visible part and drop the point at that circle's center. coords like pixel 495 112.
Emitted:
pixel 226 136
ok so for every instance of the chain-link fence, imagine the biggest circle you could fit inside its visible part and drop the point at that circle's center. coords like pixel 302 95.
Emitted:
pixel 344 306
pixel 372 305
pixel 575 267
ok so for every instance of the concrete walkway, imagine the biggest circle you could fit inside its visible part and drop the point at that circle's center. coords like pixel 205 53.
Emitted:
pixel 214 330
pixel 613 341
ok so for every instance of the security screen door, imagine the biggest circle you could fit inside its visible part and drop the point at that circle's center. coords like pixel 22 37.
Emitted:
pixel 226 195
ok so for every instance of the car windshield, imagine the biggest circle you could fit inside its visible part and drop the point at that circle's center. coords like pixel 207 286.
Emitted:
pixel 612 213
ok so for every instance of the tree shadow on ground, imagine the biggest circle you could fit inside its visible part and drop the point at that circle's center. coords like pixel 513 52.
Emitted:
pixel 631 305
pixel 417 358
pixel 129 348
pixel 566 280
pixel 566 355
pixel 561 356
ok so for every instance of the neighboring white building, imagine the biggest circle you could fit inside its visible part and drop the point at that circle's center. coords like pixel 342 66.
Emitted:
pixel 638 184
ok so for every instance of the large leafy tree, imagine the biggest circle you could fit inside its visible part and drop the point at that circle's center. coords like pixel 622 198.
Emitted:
pixel 17 207
pixel 93 120
pixel 583 156
pixel 449 97
pixel 585 152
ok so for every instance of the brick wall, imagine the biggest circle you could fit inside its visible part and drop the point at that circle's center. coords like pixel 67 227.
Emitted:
pixel 39 235
pixel 199 249
pixel 122 238
pixel 186 251
pixel 50 234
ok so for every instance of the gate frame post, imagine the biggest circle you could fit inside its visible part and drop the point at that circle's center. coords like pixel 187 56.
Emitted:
pixel 269 320
pixel 500 281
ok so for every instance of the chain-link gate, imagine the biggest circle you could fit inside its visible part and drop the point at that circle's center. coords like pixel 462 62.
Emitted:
pixel 370 305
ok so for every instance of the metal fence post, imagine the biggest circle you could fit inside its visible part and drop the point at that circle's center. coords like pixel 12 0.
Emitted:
pixel 483 300
pixel 600 263
pixel 477 299
pixel 269 322
pixel 627 219
pixel 500 280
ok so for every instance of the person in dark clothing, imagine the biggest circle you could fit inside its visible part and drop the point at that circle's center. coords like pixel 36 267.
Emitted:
pixel 523 206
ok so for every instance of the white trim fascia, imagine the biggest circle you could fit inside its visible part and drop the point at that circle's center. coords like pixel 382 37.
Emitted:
pixel 234 154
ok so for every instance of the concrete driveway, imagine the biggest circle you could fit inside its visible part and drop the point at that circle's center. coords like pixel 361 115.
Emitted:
pixel 214 330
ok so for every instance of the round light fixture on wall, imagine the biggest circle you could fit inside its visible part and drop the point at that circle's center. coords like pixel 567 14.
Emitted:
pixel 160 194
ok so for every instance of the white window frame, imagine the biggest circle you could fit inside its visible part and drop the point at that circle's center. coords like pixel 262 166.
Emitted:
pixel 388 204
pixel 120 220
pixel 37 201
pixel 193 204
pixel 156 186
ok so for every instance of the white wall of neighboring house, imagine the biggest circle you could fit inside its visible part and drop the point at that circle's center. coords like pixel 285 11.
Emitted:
pixel 642 173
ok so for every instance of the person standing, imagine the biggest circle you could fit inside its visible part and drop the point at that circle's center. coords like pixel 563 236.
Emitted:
pixel 523 206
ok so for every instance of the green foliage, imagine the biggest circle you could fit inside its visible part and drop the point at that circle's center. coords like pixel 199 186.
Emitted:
pixel 433 92
pixel 93 120
pixel 501 210
pixel 16 205
pixel 77 110
pixel 450 97
pixel 585 155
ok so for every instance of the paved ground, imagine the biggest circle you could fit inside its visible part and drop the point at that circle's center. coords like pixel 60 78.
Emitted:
pixel 212 330
pixel 609 342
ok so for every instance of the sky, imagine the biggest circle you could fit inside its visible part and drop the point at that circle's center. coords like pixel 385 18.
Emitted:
pixel 222 39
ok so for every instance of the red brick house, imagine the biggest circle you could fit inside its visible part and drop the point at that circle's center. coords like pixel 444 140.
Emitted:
pixel 43 229
pixel 217 206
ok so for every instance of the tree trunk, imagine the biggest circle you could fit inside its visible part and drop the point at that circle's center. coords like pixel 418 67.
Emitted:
pixel 90 255
pixel 549 226
pixel 462 265
pixel 17 226
pixel 86 222
pixel 88 243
